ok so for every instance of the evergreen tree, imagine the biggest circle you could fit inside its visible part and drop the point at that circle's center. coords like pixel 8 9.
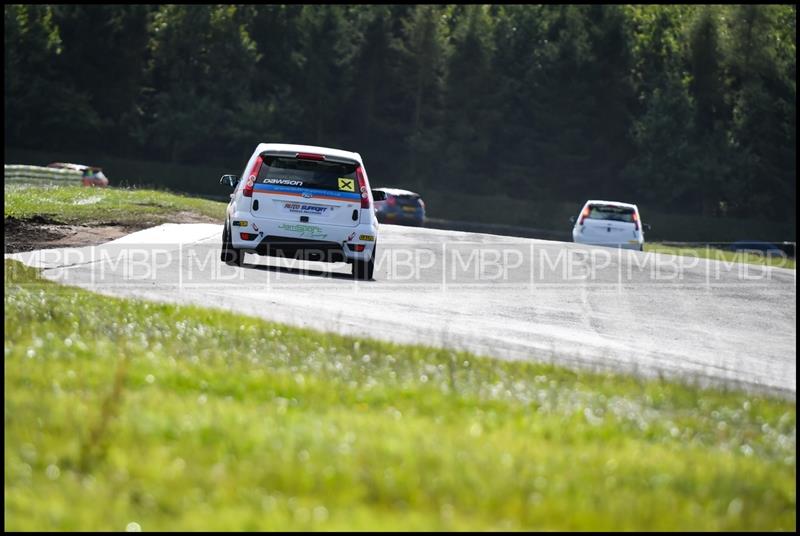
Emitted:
pixel 763 108
pixel 471 105
pixel 682 107
pixel 201 63
pixel 422 49
pixel 41 108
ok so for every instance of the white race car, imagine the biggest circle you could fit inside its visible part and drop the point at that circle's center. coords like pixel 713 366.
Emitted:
pixel 300 201
pixel 609 223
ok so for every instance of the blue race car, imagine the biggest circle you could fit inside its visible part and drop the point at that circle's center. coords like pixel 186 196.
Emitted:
pixel 401 207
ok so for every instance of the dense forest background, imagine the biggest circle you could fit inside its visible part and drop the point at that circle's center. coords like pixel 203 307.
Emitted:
pixel 690 109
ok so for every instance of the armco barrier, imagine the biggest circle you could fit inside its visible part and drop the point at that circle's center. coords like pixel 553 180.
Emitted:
pixel 499 229
pixel 21 173
pixel 789 248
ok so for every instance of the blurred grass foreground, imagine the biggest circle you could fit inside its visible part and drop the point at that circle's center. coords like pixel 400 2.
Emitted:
pixel 127 415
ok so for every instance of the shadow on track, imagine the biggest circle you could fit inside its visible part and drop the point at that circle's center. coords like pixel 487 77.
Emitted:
pixel 302 271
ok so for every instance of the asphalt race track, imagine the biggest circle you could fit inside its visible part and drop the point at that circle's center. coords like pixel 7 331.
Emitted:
pixel 512 298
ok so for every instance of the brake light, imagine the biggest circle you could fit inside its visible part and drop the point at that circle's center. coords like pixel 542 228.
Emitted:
pixel 362 187
pixel 251 180
pixel 584 215
pixel 309 156
pixel 636 221
pixel 248 236
pixel 248 186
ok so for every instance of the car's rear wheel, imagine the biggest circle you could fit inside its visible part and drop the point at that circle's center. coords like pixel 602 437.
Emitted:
pixel 230 255
pixel 365 269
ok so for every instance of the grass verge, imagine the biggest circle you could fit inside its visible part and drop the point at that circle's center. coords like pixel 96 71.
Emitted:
pixel 127 414
pixel 81 205
pixel 708 252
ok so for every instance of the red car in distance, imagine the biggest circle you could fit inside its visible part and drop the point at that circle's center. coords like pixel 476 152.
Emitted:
pixel 90 175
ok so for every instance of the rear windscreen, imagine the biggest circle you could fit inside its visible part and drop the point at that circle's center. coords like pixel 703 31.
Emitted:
pixel 282 171
pixel 406 199
pixel 610 212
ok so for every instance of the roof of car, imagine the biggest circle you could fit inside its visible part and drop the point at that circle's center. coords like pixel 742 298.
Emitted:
pixel 395 191
pixel 309 149
pixel 612 203
pixel 64 165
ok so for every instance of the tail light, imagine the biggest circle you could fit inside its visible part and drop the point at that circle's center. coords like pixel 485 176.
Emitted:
pixel 309 156
pixel 248 236
pixel 636 221
pixel 584 215
pixel 362 186
pixel 251 180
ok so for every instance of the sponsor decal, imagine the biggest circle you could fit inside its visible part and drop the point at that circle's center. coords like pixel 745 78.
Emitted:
pixel 302 208
pixel 351 236
pixel 305 231
pixel 367 238
pixel 347 185
pixel 239 223
pixel 285 182
pixel 255 227
pixel 334 195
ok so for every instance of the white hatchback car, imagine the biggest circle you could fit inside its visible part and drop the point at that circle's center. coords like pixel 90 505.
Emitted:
pixel 609 223
pixel 300 201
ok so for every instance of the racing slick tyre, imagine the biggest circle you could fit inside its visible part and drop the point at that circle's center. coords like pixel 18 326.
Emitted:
pixel 365 269
pixel 230 255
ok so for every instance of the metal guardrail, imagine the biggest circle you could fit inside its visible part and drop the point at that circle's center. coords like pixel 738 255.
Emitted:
pixel 789 248
pixel 22 173
pixel 499 229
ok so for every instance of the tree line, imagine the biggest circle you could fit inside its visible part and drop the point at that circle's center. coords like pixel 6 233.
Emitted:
pixel 683 107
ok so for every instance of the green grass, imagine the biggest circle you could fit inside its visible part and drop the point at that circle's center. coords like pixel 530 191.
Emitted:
pixel 707 252
pixel 81 205
pixel 174 417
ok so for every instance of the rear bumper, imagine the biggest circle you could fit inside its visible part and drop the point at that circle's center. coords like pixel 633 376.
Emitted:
pixel 309 241
pixel 637 246
pixel 408 218
pixel 635 243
